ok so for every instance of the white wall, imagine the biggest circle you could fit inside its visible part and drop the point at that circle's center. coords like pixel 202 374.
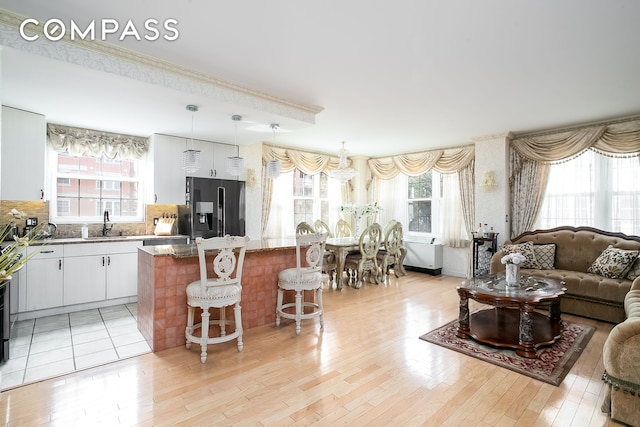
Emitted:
pixel 252 155
pixel 492 205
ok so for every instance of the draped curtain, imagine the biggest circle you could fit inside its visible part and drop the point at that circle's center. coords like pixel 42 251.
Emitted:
pixel 96 143
pixel 531 155
pixel 460 192
pixel 290 159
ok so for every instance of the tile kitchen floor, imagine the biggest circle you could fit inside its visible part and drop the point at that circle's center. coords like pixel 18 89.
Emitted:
pixel 54 345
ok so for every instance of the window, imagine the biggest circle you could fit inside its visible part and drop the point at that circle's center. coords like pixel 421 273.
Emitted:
pixel 593 190
pixel 86 186
pixel 296 197
pixel 424 193
pixel 310 197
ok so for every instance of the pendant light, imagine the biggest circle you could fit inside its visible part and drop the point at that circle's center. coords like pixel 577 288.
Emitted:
pixel 342 172
pixel 235 164
pixel 273 166
pixel 191 157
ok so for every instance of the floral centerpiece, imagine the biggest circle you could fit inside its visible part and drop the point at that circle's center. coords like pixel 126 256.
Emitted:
pixel 514 258
pixel 512 264
pixel 12 252
pixel 359 212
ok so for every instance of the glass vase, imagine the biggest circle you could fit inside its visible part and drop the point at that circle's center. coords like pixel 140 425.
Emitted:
pixel 512 274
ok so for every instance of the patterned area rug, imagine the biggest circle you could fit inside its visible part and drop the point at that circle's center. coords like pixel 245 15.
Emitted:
pixel 551 366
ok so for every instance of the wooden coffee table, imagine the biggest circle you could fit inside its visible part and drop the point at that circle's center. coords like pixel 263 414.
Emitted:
pixel 515 321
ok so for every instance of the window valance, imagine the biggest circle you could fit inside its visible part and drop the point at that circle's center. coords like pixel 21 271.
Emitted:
pixel 96 143
pixel 414 164
pixel 619 138
pixel 309 163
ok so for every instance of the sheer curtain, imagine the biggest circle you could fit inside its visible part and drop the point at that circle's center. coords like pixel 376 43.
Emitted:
pixel 596 191
pixel 392 196
pixel 280 220
pixel 454 233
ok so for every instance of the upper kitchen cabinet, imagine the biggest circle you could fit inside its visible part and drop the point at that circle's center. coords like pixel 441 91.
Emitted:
pixel 166 171
pixel 206 158
pixel 220 154
pixel 213 159
pixel 24 137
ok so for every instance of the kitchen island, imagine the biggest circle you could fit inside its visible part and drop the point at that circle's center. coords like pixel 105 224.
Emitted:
pixel 165 271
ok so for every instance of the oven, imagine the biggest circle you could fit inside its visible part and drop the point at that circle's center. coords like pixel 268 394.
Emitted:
pixel 5 321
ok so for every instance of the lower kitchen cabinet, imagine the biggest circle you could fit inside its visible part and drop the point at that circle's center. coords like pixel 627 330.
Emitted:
pixel 122 275
pixel 44 278
pixel 99 271
pixel 79 273
pixel 84 279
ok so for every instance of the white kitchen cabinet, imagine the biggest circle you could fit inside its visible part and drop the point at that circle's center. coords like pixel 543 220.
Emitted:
pixel 165 170
pixel 206 158
pixel 122 275
pixel 23 149
pixel 84 279
pixel 44 278
pixel 100 271
pixel 220 154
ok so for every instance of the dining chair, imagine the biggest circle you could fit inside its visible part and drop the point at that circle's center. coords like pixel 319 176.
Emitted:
pixel 305 276
pixel 321 227
pixel 329 264
pixel 220 290
pixel 304 228
pixel 391 255
pixel 343 229
pixel 365 261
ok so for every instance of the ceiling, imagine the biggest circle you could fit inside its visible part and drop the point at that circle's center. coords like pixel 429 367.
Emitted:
pixel 403 76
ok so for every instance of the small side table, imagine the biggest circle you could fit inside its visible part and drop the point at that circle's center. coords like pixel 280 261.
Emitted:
pixel 483 250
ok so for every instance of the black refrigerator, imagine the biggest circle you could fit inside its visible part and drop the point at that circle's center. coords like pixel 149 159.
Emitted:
pixel 214 208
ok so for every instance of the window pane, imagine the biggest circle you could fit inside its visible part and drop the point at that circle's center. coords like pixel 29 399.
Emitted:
pixel 91 195
pixel 302 184
pixel 420 187
pixel 89 207
pixel 420 216
pixel 324 185
pixel 303 210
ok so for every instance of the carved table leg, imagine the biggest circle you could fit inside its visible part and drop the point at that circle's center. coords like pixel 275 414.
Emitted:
pixel 463 318
pixel 525 333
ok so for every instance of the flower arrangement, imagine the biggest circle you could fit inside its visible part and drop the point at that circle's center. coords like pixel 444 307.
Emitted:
pixel 12 252
pixel 360 211
pixel 514 258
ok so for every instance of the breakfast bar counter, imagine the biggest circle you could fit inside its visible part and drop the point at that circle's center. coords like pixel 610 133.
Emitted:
pixel 164 272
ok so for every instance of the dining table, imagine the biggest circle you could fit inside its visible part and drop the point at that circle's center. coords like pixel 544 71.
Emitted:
pixel 341 246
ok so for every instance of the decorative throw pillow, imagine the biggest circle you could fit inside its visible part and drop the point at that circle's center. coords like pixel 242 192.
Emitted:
pixel 525 249
pixel 545 255
pixel 613 262
pixel 634 271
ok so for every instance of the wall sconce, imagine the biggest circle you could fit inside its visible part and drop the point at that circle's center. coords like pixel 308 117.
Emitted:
pixel 251 180
pixel 489 181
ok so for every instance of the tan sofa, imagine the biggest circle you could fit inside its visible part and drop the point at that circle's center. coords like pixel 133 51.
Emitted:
pixel 588 294
pixel 621 357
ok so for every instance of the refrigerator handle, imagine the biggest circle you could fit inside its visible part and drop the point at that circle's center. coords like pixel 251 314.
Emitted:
pixel 222 220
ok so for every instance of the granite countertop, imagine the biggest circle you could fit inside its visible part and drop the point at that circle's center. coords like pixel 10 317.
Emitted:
pixel 101 239
pixel 189 250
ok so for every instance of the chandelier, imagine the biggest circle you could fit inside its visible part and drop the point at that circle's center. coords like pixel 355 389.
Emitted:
pixel 342 172
pixel 273 166
pixel 235 164
pixel 191 157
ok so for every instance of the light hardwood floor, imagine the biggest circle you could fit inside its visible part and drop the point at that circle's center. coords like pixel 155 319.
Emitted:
pixel 368 367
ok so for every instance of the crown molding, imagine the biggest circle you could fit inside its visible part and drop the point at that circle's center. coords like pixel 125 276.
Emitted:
pixel 108 58
pixel 493 137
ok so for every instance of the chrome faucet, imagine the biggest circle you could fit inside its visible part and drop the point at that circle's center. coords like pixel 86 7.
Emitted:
pixel 106 229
